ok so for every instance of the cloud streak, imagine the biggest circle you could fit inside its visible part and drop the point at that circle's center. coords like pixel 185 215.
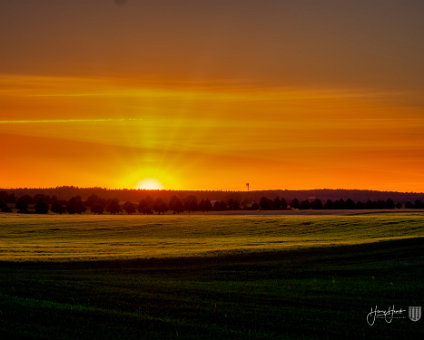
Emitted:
pixel 65 121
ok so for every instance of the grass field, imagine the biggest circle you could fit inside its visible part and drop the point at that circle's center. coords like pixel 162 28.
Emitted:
pixel 321 288
pixel 90 237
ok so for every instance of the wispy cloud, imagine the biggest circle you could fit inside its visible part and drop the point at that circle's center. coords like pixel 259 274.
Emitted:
pixel 64 121
pixel 35 86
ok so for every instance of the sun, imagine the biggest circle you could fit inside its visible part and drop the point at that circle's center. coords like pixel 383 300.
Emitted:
pixel 149 184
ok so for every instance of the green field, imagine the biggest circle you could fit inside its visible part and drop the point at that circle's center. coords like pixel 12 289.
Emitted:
pixel 89 237
pixel 249 277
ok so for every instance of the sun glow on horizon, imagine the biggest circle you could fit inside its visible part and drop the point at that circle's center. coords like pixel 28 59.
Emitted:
pixel 209 100
pixel 149 184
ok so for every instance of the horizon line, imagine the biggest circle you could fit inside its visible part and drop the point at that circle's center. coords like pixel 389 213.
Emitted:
pixel 200 190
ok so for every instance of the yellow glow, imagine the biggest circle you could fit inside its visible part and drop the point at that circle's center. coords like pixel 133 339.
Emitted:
pixel 207 137
pixel 207 100
pixel 149 184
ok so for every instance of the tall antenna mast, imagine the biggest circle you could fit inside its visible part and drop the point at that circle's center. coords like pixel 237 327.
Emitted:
pixel 247 185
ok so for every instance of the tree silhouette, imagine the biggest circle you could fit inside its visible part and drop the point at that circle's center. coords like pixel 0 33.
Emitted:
pixel 370 205
pixel 75 205
pixel 41 197
pixel 91 200
pixel 276 204
pixel 265 203
pixel 176 205
pixel 145 205
pixel 390 204
pixel 329 204
pixel 4 207
pixel 98 209
pixel 160 206
pixel 41 207
pixel 233 204
pixel 58 207
pixel 96 204
pixel 409 205
pixel 316 204
pixel 304 204
pixel 130 208
pixel 11 198
pixel 349 204
pixel 419 204
pixel 4 199
pixel 3 196
pixel 113 206
pixel 295 204
pixel 190 203
pixel 220 206
pixel 22 203
pixel 381 204
pixel 205 205
pixel 360 205
pixel 339 204
pixel 98 199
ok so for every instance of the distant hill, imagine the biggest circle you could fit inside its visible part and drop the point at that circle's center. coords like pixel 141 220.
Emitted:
pixel 67 192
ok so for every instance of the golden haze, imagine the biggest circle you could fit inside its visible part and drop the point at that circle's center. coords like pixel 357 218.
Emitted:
pixel 212 94
pixel 114 133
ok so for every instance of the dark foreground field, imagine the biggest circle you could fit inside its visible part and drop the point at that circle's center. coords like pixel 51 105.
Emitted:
pixel 307 293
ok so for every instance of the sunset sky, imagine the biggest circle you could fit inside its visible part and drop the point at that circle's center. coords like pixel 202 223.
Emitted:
pixel 212 94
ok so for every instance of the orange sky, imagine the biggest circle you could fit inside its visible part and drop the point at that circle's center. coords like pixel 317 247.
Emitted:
pixel 211 95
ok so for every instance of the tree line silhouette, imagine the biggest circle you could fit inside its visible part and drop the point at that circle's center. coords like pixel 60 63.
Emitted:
pixel 43 204
pixel 134 195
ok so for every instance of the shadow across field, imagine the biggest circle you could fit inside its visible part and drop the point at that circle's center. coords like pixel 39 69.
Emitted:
pixel 317 293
